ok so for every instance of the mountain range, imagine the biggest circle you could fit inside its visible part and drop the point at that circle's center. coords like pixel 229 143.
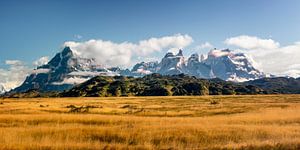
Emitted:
pixel 224 64
pixel 66 69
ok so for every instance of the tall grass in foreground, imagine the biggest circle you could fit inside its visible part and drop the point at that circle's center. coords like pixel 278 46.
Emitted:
pixel 261 128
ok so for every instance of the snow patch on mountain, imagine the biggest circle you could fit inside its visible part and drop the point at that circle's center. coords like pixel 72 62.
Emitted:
pixel 40 70
pixel 71 80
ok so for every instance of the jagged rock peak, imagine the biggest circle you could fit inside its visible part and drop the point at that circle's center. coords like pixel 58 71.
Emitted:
pixel 66 52
pixel 169 54
pixel 194 57
pixel 179 53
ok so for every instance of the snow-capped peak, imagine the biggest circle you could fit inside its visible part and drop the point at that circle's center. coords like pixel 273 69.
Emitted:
pixel 61 72
pixel 228 65
pixel 172 64
pixel 224 64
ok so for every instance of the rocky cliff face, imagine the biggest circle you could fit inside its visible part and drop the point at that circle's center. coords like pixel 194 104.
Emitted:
pixel 172 64
pixel 231 66
pixel 198 68
pixel 223 64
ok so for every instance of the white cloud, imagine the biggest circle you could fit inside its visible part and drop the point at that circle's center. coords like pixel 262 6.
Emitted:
pixel 294 66
pixel 251 42
pixel 271 58
pixel 14 75
pixel 278 61
pixel 85 73
pixel 205 45
pixel 14 62
pixel 17 72
pixel 122 54
pixel 71 80
pixel 41 70
pixel 291 73
pixel 178 41
pixel 41 61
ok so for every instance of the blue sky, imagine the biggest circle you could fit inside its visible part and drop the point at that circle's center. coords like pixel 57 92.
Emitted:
pixel 31 29
pixel 123 32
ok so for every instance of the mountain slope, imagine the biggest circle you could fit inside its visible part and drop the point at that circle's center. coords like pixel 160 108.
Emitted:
pixel 62 72
pixel 172 64
pixel 199 69
pixel 231 66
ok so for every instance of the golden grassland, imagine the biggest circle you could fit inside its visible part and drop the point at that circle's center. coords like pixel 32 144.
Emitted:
pixel 190 122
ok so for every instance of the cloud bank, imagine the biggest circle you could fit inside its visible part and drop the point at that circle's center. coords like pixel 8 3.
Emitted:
pixel 122 54
pixel 271 57
pixel 14 75
pixel 251 42
pixel 17 72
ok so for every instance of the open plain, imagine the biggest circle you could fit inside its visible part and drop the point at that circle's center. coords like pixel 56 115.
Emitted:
pixel 187 122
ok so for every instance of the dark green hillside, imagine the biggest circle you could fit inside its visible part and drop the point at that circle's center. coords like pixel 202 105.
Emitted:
pixel 166 85
pixel 279 85
pixel 158 85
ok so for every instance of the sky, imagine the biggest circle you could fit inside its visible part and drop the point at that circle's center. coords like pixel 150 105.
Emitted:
pixel 123 32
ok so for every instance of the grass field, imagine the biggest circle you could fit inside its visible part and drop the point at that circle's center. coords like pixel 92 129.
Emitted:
pixel 206 122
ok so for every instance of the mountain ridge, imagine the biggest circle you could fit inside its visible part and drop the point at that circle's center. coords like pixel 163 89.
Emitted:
pixel 224 64
pixel 66 69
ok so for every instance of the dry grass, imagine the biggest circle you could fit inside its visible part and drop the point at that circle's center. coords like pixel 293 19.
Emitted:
pixel 234 122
